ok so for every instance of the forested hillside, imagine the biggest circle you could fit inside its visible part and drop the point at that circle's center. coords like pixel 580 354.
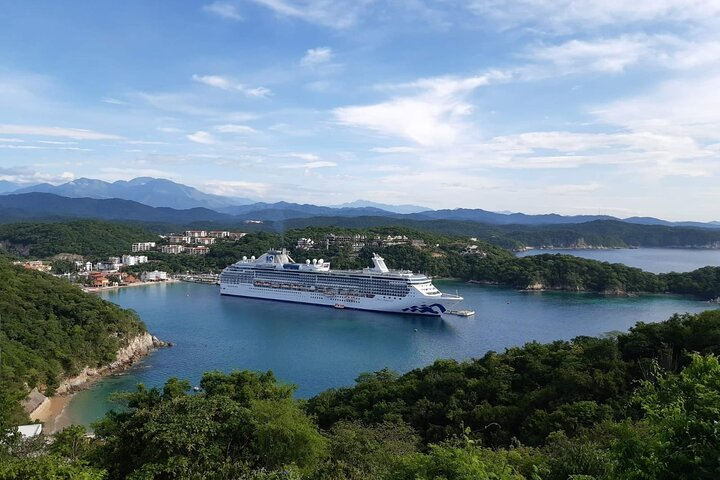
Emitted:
pixel 93 238
pixel 598 233
pixel 639 406
pixel 50 328
pixel 441 255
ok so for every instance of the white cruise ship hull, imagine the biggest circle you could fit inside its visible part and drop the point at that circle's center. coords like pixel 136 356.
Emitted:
pixel 415 303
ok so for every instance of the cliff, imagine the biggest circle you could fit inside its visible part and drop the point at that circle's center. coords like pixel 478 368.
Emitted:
pixel 138 347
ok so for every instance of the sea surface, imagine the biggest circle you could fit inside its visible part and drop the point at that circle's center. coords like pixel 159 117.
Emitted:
pixel 656 260
pixel 318 347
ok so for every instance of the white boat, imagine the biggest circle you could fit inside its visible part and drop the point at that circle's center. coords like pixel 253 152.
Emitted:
pixel 462 313
pixel 275 276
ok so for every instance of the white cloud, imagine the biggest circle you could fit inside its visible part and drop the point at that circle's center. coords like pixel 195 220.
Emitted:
pixel 54 142
pixel 684 107
pixel 169 129
pixel 214 81
pixel 113 101
pixel 432 117
pixel 613 55
pixel 20 147
pixel 308 157
pixel 225 10
pixel 312 165
pixel 225 83
pixel 337 14
pixel 202 137
pixel 75 133
pixel 572 188
pixel 603 55
pixel 234 188
pixel 316 56
pixel 394 150
pixel 11 140
pixel 239 129
pixel 579 15
pixel 23 175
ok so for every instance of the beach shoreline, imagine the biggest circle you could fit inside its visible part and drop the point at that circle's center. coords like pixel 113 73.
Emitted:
pixel 134 284
pixel 52 411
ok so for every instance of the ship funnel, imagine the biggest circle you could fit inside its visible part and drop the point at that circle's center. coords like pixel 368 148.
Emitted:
pixel 379 263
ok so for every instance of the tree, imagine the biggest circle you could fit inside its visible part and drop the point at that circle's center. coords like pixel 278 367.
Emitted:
pixel 681 413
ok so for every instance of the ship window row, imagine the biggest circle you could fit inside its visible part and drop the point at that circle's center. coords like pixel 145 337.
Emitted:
pixel 363 285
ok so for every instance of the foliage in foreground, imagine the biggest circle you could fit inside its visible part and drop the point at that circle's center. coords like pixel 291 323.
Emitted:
pixel 639 406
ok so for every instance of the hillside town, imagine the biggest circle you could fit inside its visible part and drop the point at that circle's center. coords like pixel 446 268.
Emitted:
pixel 112 271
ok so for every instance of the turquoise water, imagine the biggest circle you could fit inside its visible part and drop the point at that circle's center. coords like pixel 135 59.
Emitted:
pixel 656 260
pixel 318 348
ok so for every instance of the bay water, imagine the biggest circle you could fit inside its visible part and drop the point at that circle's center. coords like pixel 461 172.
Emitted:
pixel 656 260
pixel 318 347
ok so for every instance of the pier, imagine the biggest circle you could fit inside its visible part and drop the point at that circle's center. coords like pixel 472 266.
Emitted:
pixel 208 278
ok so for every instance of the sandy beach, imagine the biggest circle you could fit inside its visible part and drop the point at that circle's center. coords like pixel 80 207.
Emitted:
pixel 53 414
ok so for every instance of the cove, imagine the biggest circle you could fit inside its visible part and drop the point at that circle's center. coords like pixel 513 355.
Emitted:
pixel 318 348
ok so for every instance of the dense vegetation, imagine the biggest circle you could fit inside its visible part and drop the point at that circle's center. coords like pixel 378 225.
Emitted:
pixel 598 233
pixel 92 238
pixel 641 405
pixel 50 328
pixel 442 255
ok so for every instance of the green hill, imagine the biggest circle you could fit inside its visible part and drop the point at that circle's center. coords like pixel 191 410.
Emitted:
pixel 93 238
pixel 49 329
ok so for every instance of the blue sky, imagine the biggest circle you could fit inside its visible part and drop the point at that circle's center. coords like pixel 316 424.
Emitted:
pixel 527 105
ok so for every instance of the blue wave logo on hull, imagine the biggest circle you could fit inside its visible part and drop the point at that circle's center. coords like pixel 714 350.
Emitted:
pixel 426 309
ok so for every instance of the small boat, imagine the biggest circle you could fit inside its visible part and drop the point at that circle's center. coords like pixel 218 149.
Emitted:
pixel 339 305
pixel 462 313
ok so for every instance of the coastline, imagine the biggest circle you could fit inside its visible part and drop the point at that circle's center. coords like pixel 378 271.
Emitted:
pixel 135 284
pixel 51 412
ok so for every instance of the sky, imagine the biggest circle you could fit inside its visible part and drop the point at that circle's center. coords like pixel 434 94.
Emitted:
pixel 568 106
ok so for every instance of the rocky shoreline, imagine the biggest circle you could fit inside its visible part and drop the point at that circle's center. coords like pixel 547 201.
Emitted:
pixel 48 409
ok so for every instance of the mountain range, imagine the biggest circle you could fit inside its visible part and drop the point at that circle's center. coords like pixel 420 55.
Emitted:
pixel 155 192
pixel 161 200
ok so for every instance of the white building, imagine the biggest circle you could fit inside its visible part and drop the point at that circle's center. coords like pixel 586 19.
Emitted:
pixel 142 246
pixel 30 431
pixel 218 234
pixel 203 240
pixel 306 244
pixel 195 233
pixel 154 276
pixel 108 266
pixel 172 249
pixel 130 260
pixel 179 239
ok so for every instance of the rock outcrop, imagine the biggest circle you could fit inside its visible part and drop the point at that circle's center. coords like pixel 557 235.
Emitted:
pixel 126 356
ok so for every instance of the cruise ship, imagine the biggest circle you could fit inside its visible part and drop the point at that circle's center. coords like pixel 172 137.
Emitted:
pixel 275 276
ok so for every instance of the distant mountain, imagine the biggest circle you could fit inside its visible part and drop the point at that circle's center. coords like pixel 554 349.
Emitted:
pixel 155 192
pixel 383 206
pixel 44 206
pixel 657 221
pixel 286 210
pixel 6 186
pixel 158 192
pixel 484 216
